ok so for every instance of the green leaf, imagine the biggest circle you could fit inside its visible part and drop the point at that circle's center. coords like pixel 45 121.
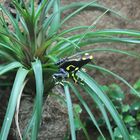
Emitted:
pixel 70 111
pixel 75 12
pixel 75 29
pixel 84 5
pixel 137 85
pixel 92 38
pixel 9 67
pixel 77 109
pixel 109 39
pixel 32 9
pixel 6 47
pixel 97 90
pixel 135 105
pixel 79 125
pixel 29 126
pixel 100 138
pixel 86 108
pixel 110 50
pixel 116 92
pixel 116 76
pixel 77 122
pixel 118 31
pixel 135 134
pixel 37 68
pixel 17 88
pixel 117 133
pixel 56 21
pixel 129 119
pixel 138 116
pixel 125 108
pixel 12 20
pixel 6 56
pixel 40 10
pixel 100 105
pixel 69 41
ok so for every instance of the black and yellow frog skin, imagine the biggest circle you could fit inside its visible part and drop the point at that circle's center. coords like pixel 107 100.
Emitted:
pixel 69 67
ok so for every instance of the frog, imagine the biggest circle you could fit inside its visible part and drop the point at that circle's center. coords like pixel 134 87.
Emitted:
pixel 67 68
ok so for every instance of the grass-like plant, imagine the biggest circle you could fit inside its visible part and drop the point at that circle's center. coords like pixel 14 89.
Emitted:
pixel 34 43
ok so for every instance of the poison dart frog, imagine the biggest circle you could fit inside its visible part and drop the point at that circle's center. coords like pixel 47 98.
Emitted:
pixel 69 67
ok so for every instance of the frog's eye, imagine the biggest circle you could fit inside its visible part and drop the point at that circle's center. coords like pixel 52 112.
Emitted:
pixel 86 54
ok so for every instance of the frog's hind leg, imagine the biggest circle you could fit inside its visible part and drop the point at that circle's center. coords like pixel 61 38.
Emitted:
pixel 76 79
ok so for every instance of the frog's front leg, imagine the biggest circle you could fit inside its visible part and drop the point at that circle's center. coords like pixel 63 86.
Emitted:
pixel 61 74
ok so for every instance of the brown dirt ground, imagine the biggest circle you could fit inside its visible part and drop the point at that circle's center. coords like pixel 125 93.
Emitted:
pixel 126 67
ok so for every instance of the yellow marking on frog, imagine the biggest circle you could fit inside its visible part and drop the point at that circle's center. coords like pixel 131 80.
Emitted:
pixel 84 58
pixel 77 68
pixel 68 68
pixel 73 76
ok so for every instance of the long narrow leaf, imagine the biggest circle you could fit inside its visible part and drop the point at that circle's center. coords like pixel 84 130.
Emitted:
pixel 77 117
pixel 93 5
pixel 86 108
pixel 6 47
pixel 75 29
pixel 90 27
pixel 116 76
pixel 76 114
pixel 29 127
pixel 62 48
pixel 56 21
pixel 17 87
pixel 39 10
pixel 6 56
pixel 98 91
pixel 109 50
pixel 9 67
pixel 13 21
pixel 101 108
pixel 37 68
pixel 119 31
pixel 17 110
pixel 75 12
pixel 70 111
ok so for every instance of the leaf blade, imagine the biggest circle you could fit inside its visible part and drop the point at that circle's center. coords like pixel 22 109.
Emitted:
pixel 37 68
pixel 96 89
pixel 70 111
pixel 17 87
